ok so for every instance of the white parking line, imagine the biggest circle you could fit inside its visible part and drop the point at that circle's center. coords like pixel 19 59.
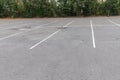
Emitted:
pixel 93 35
pixel 9 36
pixel 49 36
pixel 20 25
pixel 68 24
pixel 114 22
pixel 45 39
pixel 37 27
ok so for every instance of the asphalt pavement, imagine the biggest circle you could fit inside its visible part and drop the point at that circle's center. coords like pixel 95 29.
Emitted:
pixel 60 49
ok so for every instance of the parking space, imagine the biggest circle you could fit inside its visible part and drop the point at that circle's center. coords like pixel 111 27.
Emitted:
pixel 107 33
pixel 60 49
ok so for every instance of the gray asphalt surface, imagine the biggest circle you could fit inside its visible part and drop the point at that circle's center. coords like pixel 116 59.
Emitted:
pixel 60 49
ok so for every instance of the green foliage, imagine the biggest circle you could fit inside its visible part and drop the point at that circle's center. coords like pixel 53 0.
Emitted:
pixel 54 8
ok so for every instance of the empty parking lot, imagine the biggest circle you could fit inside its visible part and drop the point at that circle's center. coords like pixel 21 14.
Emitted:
pixel 60 49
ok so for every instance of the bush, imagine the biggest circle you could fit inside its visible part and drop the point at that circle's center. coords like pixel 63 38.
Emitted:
pixel 53 8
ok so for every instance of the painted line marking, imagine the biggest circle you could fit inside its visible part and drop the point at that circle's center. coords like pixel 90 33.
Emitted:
pixel 45 39
pixel 49 36
pixel 37 27
pixel 114 22
pixel 68 23
pixel 93 35
pixel 21 25
pixel 9 36
pixel 12 35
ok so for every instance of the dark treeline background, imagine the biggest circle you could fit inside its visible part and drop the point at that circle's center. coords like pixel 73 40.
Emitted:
pixel 58 8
